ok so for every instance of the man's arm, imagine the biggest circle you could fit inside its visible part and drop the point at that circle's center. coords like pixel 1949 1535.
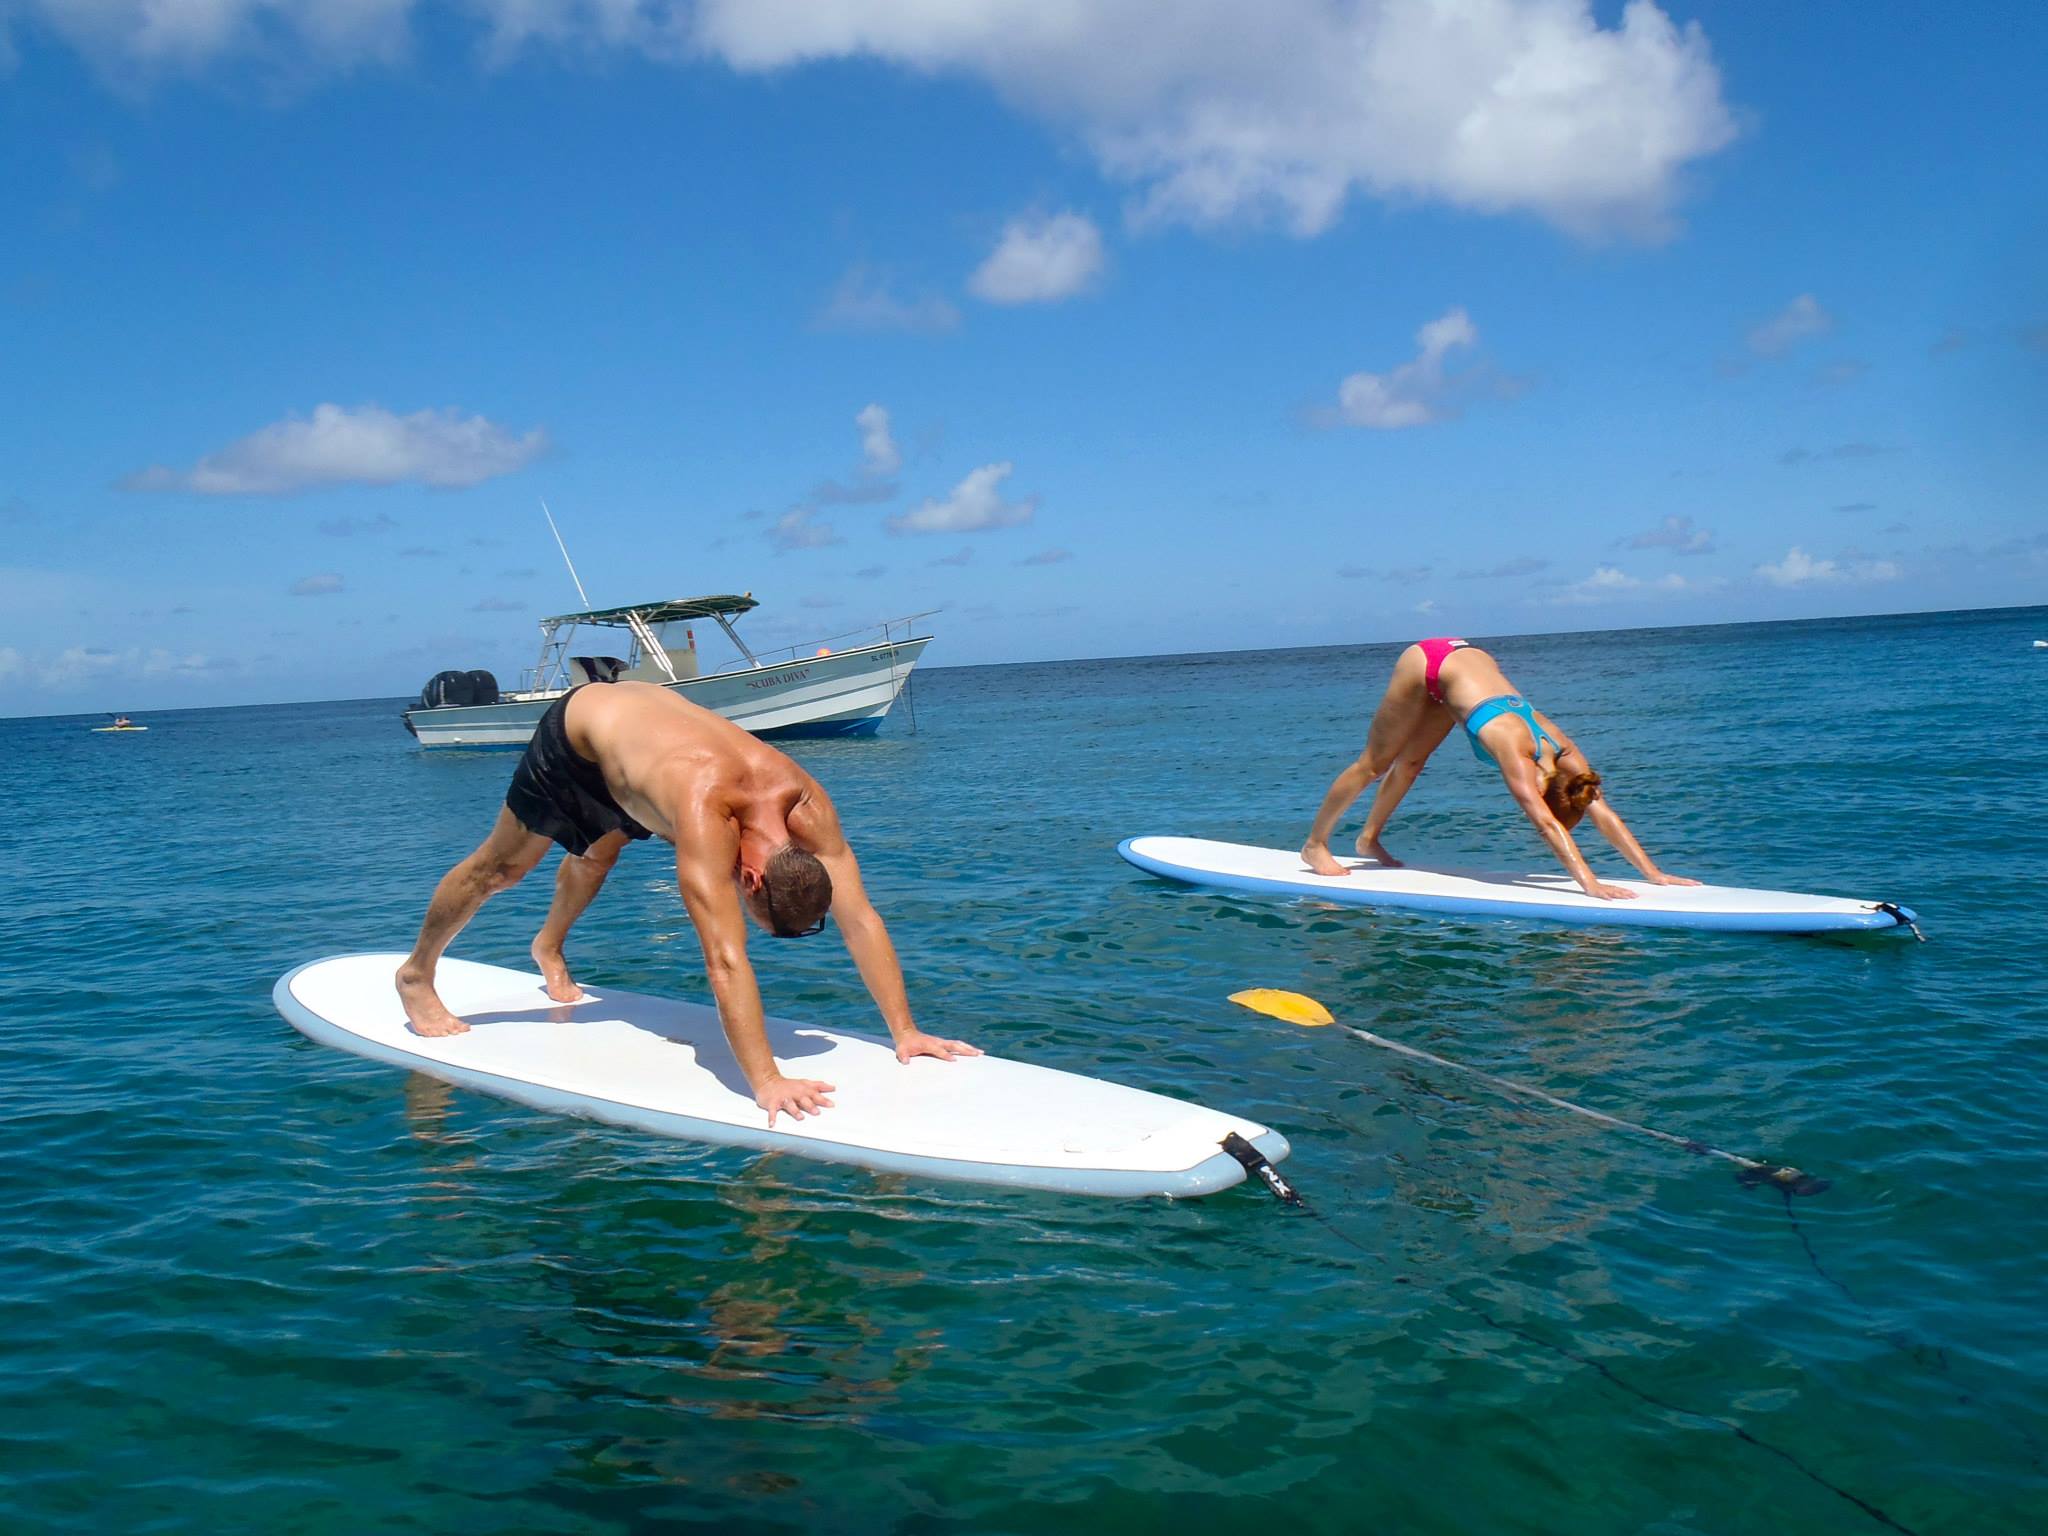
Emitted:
pixel 1520 775
pixel 714 904
pixel 1616 831
pixel 867 938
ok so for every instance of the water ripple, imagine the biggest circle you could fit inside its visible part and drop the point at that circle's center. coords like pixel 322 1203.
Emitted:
pixel 254 1284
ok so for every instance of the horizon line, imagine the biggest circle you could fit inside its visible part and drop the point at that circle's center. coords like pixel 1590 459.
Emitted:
pixel 1244 650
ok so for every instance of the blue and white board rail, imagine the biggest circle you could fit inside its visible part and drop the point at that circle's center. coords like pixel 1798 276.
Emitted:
pixel 1554 898
pixel 656 1064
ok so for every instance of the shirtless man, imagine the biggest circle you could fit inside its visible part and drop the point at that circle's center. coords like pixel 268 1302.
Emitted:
pixel 611 763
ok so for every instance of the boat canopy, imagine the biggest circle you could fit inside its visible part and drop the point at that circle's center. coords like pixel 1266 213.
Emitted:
pixel 727 606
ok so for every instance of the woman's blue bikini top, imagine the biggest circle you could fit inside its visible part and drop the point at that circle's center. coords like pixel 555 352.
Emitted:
pixel 1488 710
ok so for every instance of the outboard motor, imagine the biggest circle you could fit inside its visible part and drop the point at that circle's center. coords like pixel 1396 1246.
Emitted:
pixel 599 669
pixel 444 690
pixel 458 690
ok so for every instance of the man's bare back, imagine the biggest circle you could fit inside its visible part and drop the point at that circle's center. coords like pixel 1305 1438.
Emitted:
pixel 656 748
pixel 611 763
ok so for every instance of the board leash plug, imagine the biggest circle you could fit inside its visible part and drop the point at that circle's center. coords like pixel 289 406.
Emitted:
pixel 1256 1162
pixel 1899 914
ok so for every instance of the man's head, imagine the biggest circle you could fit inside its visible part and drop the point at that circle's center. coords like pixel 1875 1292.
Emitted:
pixel 1569 790
pixel 789 891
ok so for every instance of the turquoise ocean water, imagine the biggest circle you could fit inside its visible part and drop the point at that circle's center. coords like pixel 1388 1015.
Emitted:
pixel 251 1284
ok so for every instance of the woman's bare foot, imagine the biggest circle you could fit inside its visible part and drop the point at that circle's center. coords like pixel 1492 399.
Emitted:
pixel 423 1008
pixel 1373 848
pixel 1317 857
pixel 554 970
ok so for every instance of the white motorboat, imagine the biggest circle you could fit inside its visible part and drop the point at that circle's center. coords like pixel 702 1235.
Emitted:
pixel 820 691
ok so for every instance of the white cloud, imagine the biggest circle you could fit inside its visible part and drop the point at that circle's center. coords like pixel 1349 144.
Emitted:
pixel 136 35
pixel 1609 581
pixel 1223 112
pixel 864 301
pixel 366 445
pixel 798 529
pixel 1417 392
pixel 1797 321
pixel 875 480
pixel 1799 569
pixel 1040 261
pixel 77 664
pixel 1676 534
pixel 974 504
pixel 878 451
pixel 316 586
pixel 1212 111
pixel 1505 570
pixel 11 664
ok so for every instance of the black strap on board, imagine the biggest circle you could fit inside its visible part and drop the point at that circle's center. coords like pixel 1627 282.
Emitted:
pixel 1256 1162
pixel 1897 914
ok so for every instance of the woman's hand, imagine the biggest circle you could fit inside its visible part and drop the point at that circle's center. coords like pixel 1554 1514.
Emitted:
pixel 1608 892
pixel 1658 877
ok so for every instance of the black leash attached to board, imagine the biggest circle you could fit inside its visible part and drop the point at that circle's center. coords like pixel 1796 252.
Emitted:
pixel 1261 1167
pixel 1899 914
pixel 1299 1008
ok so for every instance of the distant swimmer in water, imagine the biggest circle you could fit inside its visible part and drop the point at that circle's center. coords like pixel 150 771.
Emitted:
pixel 611 763
pixel 1436 685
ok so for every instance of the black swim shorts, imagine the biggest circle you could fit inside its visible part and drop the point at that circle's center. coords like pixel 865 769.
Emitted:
pixel 560 794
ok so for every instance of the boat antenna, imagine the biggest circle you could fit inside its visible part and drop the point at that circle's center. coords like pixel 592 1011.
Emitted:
pixel 544 512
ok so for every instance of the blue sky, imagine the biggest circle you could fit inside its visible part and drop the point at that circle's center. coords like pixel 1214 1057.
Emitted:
pixel 1108 329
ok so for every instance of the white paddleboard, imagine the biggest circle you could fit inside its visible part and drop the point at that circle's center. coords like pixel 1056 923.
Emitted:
pixel 660 1065
pixel 1546 897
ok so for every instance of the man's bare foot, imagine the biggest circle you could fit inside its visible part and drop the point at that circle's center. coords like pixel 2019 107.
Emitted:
pixel 1373 848
pixel 1317 857
pixel 423 1008
pixel 554 970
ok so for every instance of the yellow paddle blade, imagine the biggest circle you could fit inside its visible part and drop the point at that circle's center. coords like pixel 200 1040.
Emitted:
pixel 1294 1007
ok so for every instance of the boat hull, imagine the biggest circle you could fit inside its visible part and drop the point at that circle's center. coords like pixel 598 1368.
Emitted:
pixel 844 694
